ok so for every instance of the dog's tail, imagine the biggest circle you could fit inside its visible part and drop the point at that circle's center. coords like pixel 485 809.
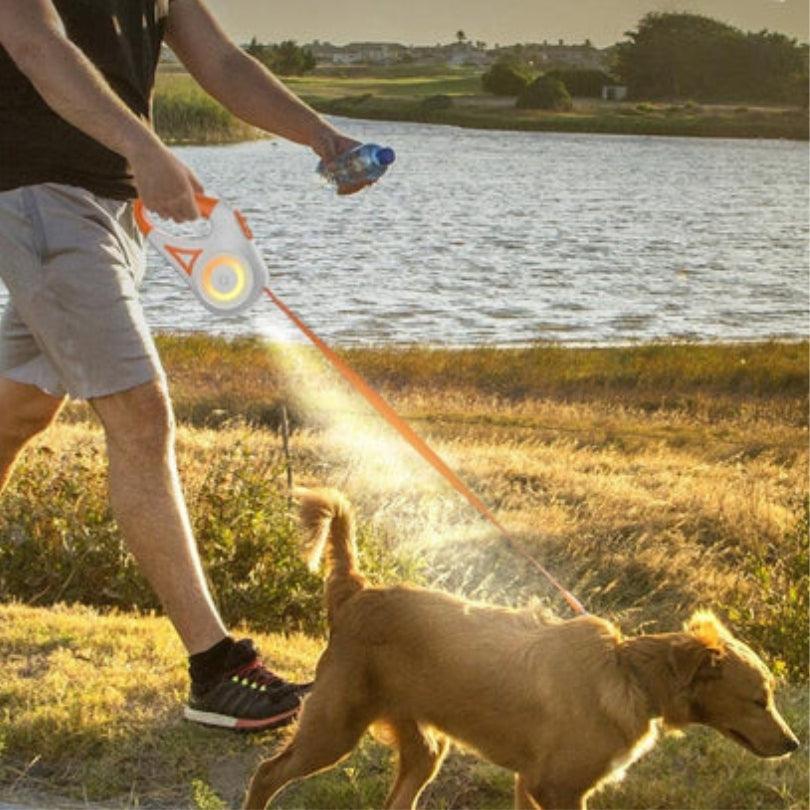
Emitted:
pixel 328 519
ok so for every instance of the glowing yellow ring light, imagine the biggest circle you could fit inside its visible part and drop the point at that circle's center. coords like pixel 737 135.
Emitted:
pixel 226 283
pixel 219 284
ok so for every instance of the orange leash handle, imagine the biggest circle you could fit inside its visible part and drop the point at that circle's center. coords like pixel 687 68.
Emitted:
pixel 418 443
pixel 205 205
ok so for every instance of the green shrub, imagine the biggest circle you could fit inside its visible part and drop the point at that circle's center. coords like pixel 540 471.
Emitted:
pixel 436 103
pixel 506 78
pixel 644 107
pixel 777 622
pixel 65 547
pixel 286 58
pixel 545 93
pixel 584 83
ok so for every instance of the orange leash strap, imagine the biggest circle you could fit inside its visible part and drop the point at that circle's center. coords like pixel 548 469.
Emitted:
pixel 418 444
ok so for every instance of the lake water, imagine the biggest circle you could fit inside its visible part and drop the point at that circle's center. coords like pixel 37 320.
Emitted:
pixel 509 238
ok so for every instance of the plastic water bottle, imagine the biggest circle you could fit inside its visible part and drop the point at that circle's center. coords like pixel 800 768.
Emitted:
pixel 358 167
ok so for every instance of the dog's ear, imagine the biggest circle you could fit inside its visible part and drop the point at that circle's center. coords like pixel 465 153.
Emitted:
pixel 690 656
pixel 686 656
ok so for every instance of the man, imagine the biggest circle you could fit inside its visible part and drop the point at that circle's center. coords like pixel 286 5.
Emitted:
pixel 76 79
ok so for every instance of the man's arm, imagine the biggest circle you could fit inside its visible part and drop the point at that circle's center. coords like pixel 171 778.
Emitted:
pixel 32 34
pixel 243 85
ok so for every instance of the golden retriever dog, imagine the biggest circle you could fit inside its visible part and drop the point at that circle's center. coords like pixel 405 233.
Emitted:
pixel 565 705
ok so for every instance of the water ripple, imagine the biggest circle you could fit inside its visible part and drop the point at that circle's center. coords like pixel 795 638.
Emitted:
pixel 509 237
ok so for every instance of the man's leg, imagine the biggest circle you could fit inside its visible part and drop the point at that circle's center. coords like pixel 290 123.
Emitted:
pixel 149 507
pixel 144 492
pixel 95 343
pixel 24 412
pixel 230 685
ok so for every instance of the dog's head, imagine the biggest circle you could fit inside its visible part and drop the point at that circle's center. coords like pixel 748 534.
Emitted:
pixel 729 688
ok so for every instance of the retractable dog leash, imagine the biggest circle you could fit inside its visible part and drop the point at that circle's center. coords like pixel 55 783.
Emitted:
pixel 222 267
pixel 227 274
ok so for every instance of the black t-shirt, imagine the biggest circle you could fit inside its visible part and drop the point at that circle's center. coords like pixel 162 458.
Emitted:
pixel 122 38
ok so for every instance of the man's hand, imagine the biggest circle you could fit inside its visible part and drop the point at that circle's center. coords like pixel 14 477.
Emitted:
pixel 329 144
pixel 165 184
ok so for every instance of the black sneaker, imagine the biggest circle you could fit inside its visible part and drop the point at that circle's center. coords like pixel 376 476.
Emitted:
pixel 249 697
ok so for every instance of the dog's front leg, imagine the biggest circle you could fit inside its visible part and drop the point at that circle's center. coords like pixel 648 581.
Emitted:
pixel 523 799
pixel 327 731
pixel 268 780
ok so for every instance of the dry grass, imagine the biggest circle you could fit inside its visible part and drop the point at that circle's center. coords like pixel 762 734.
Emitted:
pixel 92 719
pixel 184 113
pixel 644 476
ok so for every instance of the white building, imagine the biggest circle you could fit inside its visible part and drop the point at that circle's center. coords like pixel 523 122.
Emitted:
pixel 614 92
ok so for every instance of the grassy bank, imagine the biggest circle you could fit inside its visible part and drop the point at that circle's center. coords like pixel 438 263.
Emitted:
pixel 652 480
pixel 215 379
pixel 454 97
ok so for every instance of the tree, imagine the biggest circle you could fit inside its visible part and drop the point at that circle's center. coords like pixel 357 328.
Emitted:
pixel 254 48
pixel 286 58
pixel 507 78
pixel 678 55
pixel 545 93
pixel 461 36
pixel 290 60
pixel 778 65
pixel 583 83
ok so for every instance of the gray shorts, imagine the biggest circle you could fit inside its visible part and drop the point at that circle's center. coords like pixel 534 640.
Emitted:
pixel 72 263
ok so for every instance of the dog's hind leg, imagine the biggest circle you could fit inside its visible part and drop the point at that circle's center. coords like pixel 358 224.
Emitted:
pixel 327 731
pixel 553 796
pixel 420 757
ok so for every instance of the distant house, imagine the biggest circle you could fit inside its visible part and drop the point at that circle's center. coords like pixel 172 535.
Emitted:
pixel 465 53
pixel 388 53
pixel 584 56
pixel 327 54
pixel 427 54
pixel 358 53
pixel 377 53
pixel 614 92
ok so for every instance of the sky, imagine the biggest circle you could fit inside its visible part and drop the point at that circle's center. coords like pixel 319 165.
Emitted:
pixel 504 22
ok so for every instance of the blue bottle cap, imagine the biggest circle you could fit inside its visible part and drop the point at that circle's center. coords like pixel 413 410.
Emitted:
pixel 386 156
